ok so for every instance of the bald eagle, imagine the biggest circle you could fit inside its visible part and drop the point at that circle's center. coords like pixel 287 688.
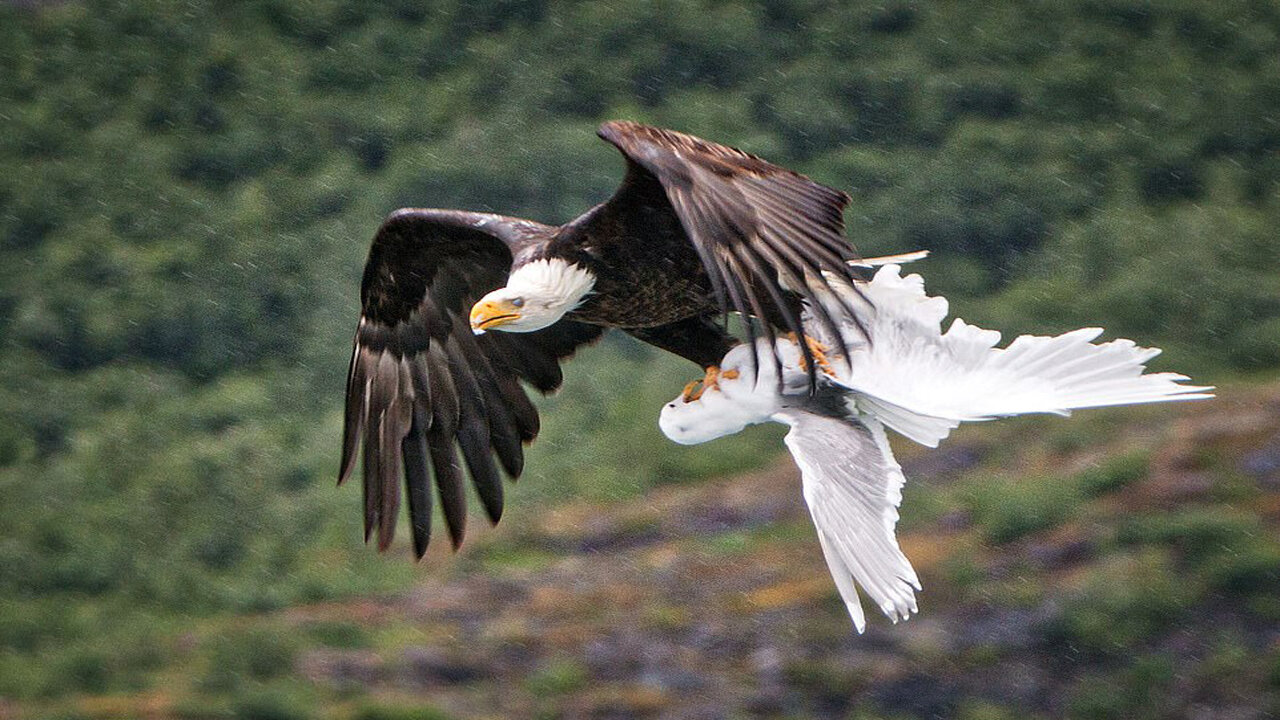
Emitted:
pixel 910 377
pixel 696 231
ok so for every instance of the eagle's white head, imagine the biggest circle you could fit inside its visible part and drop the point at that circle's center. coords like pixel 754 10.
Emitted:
pixel 537 294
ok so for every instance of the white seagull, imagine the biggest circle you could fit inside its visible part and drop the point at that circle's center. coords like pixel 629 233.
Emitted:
pixel 907 375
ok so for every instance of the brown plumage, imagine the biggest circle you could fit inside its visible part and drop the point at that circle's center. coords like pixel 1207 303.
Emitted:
pixel 696 230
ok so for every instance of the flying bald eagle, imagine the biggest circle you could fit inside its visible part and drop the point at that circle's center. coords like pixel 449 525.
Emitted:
pixel 696 231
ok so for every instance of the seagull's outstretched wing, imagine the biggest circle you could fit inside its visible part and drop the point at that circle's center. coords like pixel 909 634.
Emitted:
pixel 923 382
pixel 853 486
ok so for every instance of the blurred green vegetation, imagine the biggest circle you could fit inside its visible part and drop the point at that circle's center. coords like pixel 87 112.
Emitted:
pixel 187 192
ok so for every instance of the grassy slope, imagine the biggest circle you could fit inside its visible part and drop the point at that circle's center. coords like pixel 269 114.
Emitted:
pixel 1118 564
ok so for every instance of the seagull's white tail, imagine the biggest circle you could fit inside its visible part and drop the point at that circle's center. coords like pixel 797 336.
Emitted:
pixel 922 382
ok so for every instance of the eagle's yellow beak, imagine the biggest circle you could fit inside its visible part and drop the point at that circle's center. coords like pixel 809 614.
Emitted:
pixel 489 314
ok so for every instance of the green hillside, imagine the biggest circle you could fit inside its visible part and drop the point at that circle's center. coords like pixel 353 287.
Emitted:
pixel 187 192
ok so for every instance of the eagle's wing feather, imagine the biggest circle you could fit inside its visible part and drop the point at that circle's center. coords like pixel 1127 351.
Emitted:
pixel 421 386
pixel 765 235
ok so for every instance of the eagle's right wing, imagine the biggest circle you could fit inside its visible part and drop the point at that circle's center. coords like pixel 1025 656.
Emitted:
pixel 421 385
pixel 767 237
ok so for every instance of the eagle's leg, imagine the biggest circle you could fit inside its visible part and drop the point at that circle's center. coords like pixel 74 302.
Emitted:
pixel 818 351
pixel 712 380
pixel 694 389
pixel 820 355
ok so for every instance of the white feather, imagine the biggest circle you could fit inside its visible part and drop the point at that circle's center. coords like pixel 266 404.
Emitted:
pixel 552 279
pixel 923 383
pixel 853 487
pixel 890 259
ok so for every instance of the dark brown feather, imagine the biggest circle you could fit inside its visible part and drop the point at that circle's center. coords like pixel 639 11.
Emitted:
pixel 697 339
pixel 505 370
pixel 448 475
pixel 420 386
pixel 417 483
pixel 736 210
pixel 473 430
pixel 504 436
pixel 353 414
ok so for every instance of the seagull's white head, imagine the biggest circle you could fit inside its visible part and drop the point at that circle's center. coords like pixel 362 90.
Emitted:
pixel 734 402
pixel 537 295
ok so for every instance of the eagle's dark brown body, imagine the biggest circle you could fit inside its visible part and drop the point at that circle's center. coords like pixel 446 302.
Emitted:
pixel 695 231
pixel 640 281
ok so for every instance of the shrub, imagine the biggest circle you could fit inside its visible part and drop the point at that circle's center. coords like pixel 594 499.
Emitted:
pixel 1115 473
pixel 245 655
pixel 1228 549
pixel 1122 605
pixel 1138 692
pixel 400 712
pixel 1009 510
pixel 271 704
pixel 339 634
pixel 558 677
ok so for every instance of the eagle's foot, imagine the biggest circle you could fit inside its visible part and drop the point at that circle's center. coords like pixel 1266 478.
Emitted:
pixel 819 353
pixel 694 389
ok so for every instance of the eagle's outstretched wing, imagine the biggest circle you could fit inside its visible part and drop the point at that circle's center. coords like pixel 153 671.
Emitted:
pixel 421 385
pixel 765 235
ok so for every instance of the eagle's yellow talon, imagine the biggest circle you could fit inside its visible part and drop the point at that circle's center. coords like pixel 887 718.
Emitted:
pixel 819 353
pixel 694 389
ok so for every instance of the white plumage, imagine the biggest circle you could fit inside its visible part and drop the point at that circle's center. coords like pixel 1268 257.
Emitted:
pixel 853 486
pixel 921 382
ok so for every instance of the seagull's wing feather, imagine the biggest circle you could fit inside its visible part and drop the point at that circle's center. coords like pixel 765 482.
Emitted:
pixel 923 382
pixel 853 486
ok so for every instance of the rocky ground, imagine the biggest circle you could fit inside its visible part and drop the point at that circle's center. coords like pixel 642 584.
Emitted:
pixel 1118 564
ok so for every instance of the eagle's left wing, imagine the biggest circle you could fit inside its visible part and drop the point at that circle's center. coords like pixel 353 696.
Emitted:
pixel 421 387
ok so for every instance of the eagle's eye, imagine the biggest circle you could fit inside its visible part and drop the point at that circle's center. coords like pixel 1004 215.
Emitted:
pixel 518 302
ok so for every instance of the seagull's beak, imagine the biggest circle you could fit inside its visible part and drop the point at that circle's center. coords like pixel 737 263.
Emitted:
pixel 489 314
